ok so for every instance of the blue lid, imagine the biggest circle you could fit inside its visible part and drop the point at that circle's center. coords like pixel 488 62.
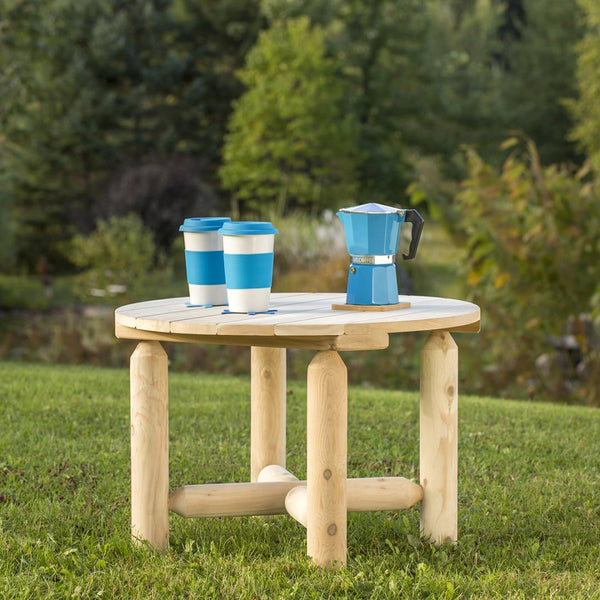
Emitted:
pixel 203 223
pixel 247 228
pixel 372 208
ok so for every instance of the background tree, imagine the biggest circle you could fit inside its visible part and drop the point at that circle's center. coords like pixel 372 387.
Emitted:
pixel 291 143
pixel 540 76
pixel 464 76
pixel 94 92
pixel 586 107
pixel 90 87
pixel 7 253
pixel 378 49
pixel 161 193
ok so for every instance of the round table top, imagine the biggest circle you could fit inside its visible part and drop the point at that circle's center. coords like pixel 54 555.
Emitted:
pixel 303 320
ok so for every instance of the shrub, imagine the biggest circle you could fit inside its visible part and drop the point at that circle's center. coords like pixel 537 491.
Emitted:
pixel 532 263
pixel 119 259
pixel 162 193
pixel 23 293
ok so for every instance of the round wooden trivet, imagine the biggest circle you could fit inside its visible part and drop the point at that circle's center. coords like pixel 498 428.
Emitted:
pixel 371 307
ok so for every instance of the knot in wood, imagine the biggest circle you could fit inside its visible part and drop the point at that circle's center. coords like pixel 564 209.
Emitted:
pixel 450 390
pixel 332 529
pixel 327 474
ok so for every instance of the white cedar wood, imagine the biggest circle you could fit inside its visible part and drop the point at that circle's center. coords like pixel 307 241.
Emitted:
pixel 150 445
pixel 267 409
pixel 299 314
pixel 270 497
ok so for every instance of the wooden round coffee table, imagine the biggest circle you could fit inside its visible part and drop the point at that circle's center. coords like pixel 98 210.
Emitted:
pixel 321 503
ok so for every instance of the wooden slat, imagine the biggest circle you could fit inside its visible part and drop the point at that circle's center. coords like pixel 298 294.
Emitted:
pixel 294 304
pixel 166 306
pixel 427 316
pixel 394 321
pixel 141 306
pixel 160 316
pixel 162 322
pixel 264 324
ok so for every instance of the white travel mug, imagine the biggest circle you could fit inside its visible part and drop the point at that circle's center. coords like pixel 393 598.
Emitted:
pixel 248 259
pixel 204 260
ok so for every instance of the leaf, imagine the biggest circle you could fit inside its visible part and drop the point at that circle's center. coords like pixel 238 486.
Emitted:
pixel 510 142
pixel 500 279
pixel 473 278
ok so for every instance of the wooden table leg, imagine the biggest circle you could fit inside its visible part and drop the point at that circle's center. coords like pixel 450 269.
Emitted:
pixel 327 427
pixel 267 422
pixel 150 445
pixel 439 438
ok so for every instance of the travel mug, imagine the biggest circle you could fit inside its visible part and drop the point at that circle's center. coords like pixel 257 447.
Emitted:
pixel 204 260
pixel 248 259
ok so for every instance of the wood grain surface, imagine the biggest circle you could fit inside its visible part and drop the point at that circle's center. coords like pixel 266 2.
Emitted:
pixel 301 320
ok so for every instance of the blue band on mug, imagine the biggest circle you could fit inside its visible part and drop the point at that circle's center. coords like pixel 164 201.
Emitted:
pixel 249 271
pixel 205 268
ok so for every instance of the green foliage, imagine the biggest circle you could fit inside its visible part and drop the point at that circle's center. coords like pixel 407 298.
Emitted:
pixel 110 107
pixel 118 259
pixel 540 76
pixel 462 77
pixel 425 77
pixel 380 49
pixel 89 86
pixel 163 193
pixel 21 293
pixel 532 252
pixel 290 143
pixel 7 226
pixel 343 98
pixel 586 107
pixel 65 511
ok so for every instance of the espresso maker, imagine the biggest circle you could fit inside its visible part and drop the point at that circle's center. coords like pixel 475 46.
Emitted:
pixel 372 235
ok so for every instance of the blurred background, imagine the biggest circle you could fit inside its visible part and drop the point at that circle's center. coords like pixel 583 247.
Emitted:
pixel 119 118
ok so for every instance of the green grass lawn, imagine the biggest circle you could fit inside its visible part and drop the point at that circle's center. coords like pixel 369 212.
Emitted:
pixel 529 499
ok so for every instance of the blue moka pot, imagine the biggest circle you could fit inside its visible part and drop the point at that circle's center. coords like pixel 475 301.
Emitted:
pixel 372 235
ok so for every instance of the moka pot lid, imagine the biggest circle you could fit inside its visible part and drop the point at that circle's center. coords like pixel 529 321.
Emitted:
pixel 373 208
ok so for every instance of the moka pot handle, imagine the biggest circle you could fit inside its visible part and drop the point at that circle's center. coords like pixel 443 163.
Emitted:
pixel 413 217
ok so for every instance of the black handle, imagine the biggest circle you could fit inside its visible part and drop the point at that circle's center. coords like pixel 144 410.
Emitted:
pixel 413 217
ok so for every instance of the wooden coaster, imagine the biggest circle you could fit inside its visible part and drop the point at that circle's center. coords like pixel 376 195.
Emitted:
pixel 372 307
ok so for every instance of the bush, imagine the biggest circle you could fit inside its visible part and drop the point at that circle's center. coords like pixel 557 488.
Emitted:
pixel 23 293
pixel 532 264
pixel 119 259
pixel 162 193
